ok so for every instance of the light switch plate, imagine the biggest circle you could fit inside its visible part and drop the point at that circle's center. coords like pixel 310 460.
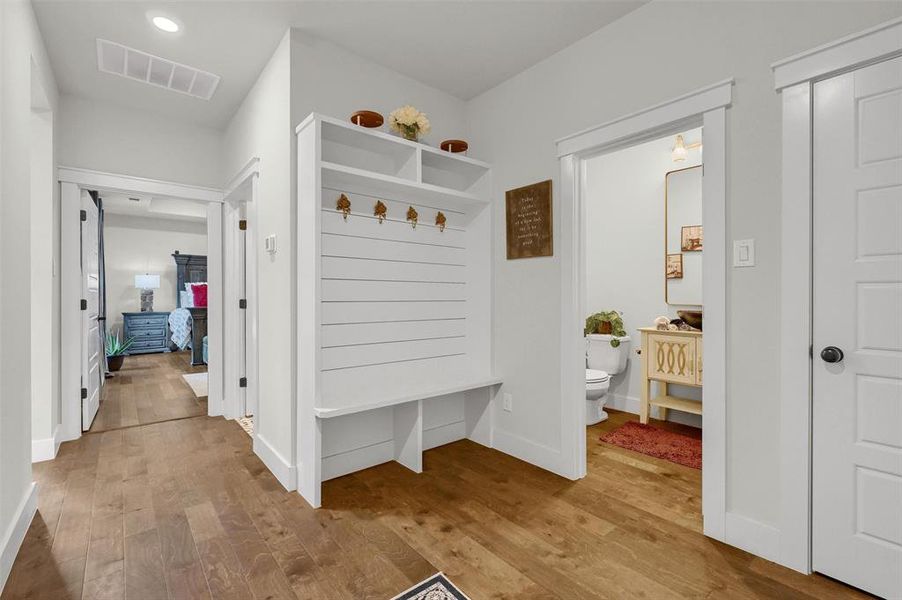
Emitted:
pixel 508 402
pixel 743 253
pixel 270 243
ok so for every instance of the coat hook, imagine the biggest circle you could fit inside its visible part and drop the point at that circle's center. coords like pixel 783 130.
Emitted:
pixel 344 205
pixel 440 221
pixel 412 216
pixel 380 211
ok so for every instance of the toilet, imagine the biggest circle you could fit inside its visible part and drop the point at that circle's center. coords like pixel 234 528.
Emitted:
pixel 602 362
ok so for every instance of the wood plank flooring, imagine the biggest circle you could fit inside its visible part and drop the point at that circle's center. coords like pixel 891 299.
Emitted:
pixel 149 389
pixel 184 509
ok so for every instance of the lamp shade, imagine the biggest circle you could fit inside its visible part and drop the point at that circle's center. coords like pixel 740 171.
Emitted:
pixel 147 282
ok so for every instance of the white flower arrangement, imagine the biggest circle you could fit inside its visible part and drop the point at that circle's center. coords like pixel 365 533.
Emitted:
pixel 409 122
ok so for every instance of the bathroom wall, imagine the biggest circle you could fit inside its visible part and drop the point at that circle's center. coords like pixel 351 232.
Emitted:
pixel 136 245
pixel 624 250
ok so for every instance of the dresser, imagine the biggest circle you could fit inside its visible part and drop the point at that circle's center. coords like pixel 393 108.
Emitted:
pixel 150 331
pixel 670 357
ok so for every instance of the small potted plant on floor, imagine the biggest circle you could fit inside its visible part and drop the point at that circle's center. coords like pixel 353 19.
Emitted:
pixel 609 322
pixel 116 351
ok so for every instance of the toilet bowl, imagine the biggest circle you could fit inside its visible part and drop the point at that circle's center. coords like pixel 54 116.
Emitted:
pixel 597 384
pixel 602 362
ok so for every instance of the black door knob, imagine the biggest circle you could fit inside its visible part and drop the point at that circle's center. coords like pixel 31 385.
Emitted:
pixel 831 354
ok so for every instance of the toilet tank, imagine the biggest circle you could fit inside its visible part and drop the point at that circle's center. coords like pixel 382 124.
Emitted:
pixel 604 357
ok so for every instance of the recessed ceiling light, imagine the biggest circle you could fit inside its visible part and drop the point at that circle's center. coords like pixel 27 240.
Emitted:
pixel 165 24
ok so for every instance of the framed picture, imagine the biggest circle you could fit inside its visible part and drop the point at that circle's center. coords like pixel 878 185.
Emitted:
pixel 674 266
pixel 529 221
pixel 691 238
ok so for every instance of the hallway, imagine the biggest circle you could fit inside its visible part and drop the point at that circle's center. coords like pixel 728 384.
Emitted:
pixel 149 389
pixel 183 509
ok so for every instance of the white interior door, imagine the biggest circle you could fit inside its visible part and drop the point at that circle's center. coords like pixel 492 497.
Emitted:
pixel 92 349
pixel 244 398
pixel 857 353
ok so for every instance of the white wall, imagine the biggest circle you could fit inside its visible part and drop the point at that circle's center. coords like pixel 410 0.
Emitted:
pixel 262 128
pixel 106 137
pixel 137 245
pixel 622 68
pixel 624 249
pixel 20 43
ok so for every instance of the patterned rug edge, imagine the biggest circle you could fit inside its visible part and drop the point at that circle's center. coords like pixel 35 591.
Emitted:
pixel 437 587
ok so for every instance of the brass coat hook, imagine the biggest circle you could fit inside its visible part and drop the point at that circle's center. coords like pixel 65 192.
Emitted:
pixel 344 205
pixel 380 211
pixel 412 216
pixel 440 221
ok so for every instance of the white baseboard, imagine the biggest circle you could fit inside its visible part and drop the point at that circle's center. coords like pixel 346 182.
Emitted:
pixel 541 456
pixel 752 536
pixel 15 533
pixel 283 470
pixel 444 434
pixel 358 459
pixel 47 448
pixel 631 405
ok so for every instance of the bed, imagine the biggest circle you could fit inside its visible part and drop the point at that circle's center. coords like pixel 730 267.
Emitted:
pixel 192 268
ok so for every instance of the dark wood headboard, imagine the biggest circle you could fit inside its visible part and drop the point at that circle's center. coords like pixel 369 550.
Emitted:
pixel 190 268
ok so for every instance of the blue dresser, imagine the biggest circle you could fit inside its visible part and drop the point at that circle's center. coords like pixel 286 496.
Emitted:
pixel 150 331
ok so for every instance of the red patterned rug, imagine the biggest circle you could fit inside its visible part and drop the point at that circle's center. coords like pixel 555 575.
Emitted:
pixel 645 439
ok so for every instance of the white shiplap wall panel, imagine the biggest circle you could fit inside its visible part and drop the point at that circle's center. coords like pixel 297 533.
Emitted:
pixel 356 247
pixel 392 352
pixel 344 290
pixel 395 331
pixel 378 312
pixel 386 270
pixel 363 385
pixel 391 229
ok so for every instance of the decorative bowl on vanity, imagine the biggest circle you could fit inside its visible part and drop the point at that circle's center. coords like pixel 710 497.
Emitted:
pixel 691 317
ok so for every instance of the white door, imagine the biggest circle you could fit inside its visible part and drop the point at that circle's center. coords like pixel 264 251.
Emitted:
pixel 92 350
pixel 857 329
pixel 248 400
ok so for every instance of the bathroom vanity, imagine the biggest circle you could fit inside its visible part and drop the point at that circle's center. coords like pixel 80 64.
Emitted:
pixel 670 357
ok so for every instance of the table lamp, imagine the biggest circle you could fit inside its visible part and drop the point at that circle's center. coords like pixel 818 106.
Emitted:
pixel 147 284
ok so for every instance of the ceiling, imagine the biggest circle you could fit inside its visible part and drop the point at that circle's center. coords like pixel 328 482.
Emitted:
pixel 156 207
pixel 461 47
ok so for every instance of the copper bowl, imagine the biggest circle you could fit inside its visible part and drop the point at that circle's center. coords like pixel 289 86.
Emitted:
pixel 367 118
pixel 693 318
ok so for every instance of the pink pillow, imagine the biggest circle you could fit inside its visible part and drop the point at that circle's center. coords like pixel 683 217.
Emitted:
pixel 199 291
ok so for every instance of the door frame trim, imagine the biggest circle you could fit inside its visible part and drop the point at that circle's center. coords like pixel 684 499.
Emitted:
pixel 72 181
pixel 705 107
pixel 794 78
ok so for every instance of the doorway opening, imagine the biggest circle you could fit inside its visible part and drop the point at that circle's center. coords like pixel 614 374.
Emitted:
pixel 145 302
pixel 643 334
pixel 703 110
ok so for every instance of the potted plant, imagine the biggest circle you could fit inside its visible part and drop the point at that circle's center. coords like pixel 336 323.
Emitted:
pixel 609 322
pixel 116 351
pixel 409 122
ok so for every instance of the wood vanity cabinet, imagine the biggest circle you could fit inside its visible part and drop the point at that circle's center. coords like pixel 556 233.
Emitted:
pixel 670 357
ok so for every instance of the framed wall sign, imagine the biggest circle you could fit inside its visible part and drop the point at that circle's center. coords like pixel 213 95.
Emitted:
pixel 529 221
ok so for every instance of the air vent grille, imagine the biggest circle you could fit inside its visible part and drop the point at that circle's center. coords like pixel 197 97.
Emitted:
pixel 140 66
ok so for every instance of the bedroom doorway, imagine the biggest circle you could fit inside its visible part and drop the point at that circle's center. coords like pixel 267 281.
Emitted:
pixel 159 316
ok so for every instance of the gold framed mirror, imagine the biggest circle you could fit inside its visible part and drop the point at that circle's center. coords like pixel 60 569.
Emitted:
pixel 683 237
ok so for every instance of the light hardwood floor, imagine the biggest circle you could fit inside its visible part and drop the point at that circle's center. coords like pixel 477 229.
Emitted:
pixel 183 509
pixel 149 389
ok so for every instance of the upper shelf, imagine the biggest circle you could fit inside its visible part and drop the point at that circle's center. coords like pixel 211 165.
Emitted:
pixel 367 161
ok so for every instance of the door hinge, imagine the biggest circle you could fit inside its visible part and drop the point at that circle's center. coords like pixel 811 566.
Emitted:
pixel 84 393
pixel 242 383
pixel 242 224
pixel 83 215
pixel 84 304
pixel 242 303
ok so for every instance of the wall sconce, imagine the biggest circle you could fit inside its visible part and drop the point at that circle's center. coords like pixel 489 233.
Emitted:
pixel 681 149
